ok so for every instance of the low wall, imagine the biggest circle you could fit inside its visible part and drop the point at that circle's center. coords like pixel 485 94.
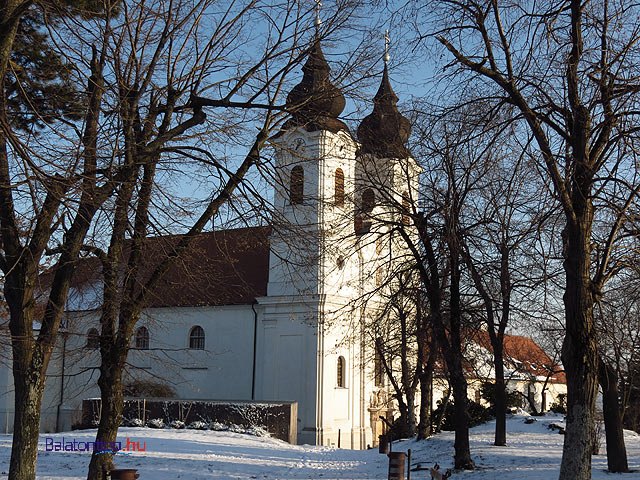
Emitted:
pixel 278 418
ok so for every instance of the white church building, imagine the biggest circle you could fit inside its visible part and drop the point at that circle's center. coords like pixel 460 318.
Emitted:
pixel 276 313
pixel 268 313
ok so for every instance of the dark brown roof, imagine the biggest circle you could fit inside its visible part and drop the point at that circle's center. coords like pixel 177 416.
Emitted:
pixel 385 131
pixel 225 267
pixel 316 101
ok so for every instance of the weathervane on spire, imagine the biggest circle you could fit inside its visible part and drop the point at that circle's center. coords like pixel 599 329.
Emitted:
pixel 318 20
pixel 387 41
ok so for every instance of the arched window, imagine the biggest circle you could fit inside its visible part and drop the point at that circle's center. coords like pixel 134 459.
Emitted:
pixel 93 339
pixel 368 200
pixel 142 338
pixel 406 208
pixel 339 188
pixel 361 223
pixel 196 338
pixel 296 188
pixel 341 372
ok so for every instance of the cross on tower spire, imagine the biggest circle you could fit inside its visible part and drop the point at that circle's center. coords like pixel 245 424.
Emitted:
pixel 318 21
pixel 387 41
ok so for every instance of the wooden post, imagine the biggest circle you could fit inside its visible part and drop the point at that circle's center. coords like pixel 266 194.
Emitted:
pixel 396 466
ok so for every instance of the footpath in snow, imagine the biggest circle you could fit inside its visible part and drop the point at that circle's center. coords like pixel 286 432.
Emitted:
pixel 533 453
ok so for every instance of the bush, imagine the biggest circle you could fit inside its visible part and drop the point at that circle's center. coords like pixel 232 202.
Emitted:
pixel 561 405
pixel 198 425
pixel 133 422
pixel 477 414
pixel 488 393
pixel 155 423
pixel 219 427
pixel 148 389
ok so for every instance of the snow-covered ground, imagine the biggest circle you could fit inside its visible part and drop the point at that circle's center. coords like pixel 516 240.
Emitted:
pixel 533 452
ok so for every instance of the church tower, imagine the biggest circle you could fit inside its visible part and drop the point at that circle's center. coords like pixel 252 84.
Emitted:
pixel 310 271
pixel 385 193
pixel 312 345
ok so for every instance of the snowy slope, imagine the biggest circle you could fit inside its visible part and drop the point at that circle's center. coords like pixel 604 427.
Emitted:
pixel 533 453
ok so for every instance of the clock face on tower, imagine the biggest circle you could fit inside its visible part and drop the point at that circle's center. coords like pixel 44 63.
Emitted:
pixel 299 145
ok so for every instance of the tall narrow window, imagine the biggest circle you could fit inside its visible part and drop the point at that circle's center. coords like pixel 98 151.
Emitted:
pixel 406 208
pixel 361 222
pixel 142 338
pixel 340 372
pixel 196 338
pixel 339 188
pixel 93 339
pixel 368 200
pixel 296 188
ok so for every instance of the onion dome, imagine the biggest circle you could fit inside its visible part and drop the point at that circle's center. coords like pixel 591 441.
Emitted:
pixel 315 102
pixel 385 131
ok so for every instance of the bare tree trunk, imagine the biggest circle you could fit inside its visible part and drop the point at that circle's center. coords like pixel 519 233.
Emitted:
pixel 409 384
pixel 110 383
pixel 501 396
pixel 28 383
pixel 445 404
pixel 426 399
pixel 579 349
pixel 425 427
pixel 616 450
pixel 462 458
pixel 405 427
pixel 448 338
pixel 26 427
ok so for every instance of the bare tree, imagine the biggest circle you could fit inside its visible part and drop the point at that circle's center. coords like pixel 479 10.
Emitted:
pixel 500 227
pixel 619 337
pixel 170 31
pixel 565 73
pixel 51 187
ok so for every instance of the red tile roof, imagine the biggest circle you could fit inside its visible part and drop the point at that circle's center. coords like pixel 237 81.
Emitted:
pixel 224 267
pixel 524 354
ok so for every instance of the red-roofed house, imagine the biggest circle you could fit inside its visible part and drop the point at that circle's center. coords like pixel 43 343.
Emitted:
pixel 527 369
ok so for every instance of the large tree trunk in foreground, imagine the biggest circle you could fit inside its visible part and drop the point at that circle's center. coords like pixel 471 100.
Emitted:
pixel 616 450
pixel 579 349
pixel 26 427
pixel 110 383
